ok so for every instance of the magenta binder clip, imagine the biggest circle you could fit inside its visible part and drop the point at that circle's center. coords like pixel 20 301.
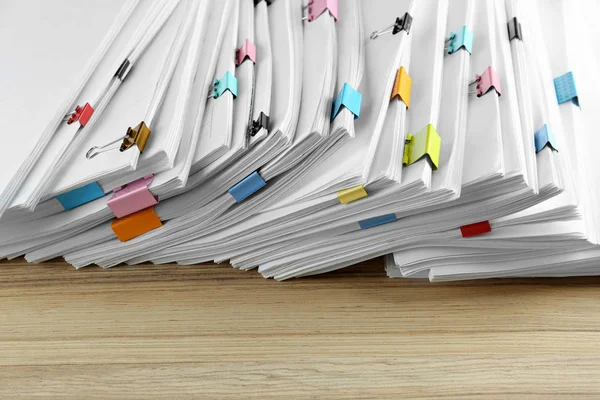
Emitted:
pixel 248 50
pixel 132 197
pixel 318 7
pixel 487 81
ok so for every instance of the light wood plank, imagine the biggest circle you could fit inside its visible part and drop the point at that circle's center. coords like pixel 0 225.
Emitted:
pixel 215 332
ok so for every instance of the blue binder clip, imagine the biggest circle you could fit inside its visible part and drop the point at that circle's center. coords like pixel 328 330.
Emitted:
pixel 565 89
pixel 80 196
pixel 376 221
pixel 349 98
pixel 461 39
pixel 227 82
pixel 248 186
pixel 544 137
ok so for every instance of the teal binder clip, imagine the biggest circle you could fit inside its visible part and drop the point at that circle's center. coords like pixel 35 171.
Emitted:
pixel 80 196
pixel 227 82
pixel 565 89
pixel 461 39
pixel 349 98
pixel 544 137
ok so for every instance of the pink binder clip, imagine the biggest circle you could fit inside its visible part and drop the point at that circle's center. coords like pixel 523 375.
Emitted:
pixel 248 50
pixel 132 197
pixel 487 81
pixel 318 7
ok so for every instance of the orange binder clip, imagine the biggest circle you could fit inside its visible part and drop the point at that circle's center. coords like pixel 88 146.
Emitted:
pixel 402 87
pixel 136 224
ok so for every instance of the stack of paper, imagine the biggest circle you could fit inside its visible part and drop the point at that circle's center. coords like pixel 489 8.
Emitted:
pixel 302 136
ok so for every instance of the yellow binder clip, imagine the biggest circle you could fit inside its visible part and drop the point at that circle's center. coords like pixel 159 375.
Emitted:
pixel 426 143
pixel 352 194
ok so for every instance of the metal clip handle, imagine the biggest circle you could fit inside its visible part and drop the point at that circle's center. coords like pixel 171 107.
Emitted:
pixel 94 151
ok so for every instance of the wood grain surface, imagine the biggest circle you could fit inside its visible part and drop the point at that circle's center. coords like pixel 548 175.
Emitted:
pixel 210 331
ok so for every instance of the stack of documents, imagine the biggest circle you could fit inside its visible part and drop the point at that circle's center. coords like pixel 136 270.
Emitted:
pixel 297 137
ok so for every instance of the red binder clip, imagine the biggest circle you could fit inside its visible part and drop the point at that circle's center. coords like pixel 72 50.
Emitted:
pixel 476 229
pixel 487 81
pixel 248 50
pixel 81 114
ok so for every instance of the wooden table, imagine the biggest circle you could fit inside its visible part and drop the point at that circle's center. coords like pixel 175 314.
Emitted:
pixel 213 332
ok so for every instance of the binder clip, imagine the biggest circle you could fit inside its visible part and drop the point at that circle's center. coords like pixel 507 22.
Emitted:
pixel 565 89
pixel 133 197
pixel 401 24
pixel 349 98
pixel 402 87
pixel 476 229
pixel 318 7
pixel 123 70
pixel 136 224
pixel 257 2
pixel 461 39
pixel 514 29
pixel 262 122
pixel 80 196
pixel 544 137
pixel 377 221
pixel 426 143
pixel 352 194
pixel 247 187
pixel 247 51
pixel 227 82
pixel 138 136
pixel 485 82
pixel 81 114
